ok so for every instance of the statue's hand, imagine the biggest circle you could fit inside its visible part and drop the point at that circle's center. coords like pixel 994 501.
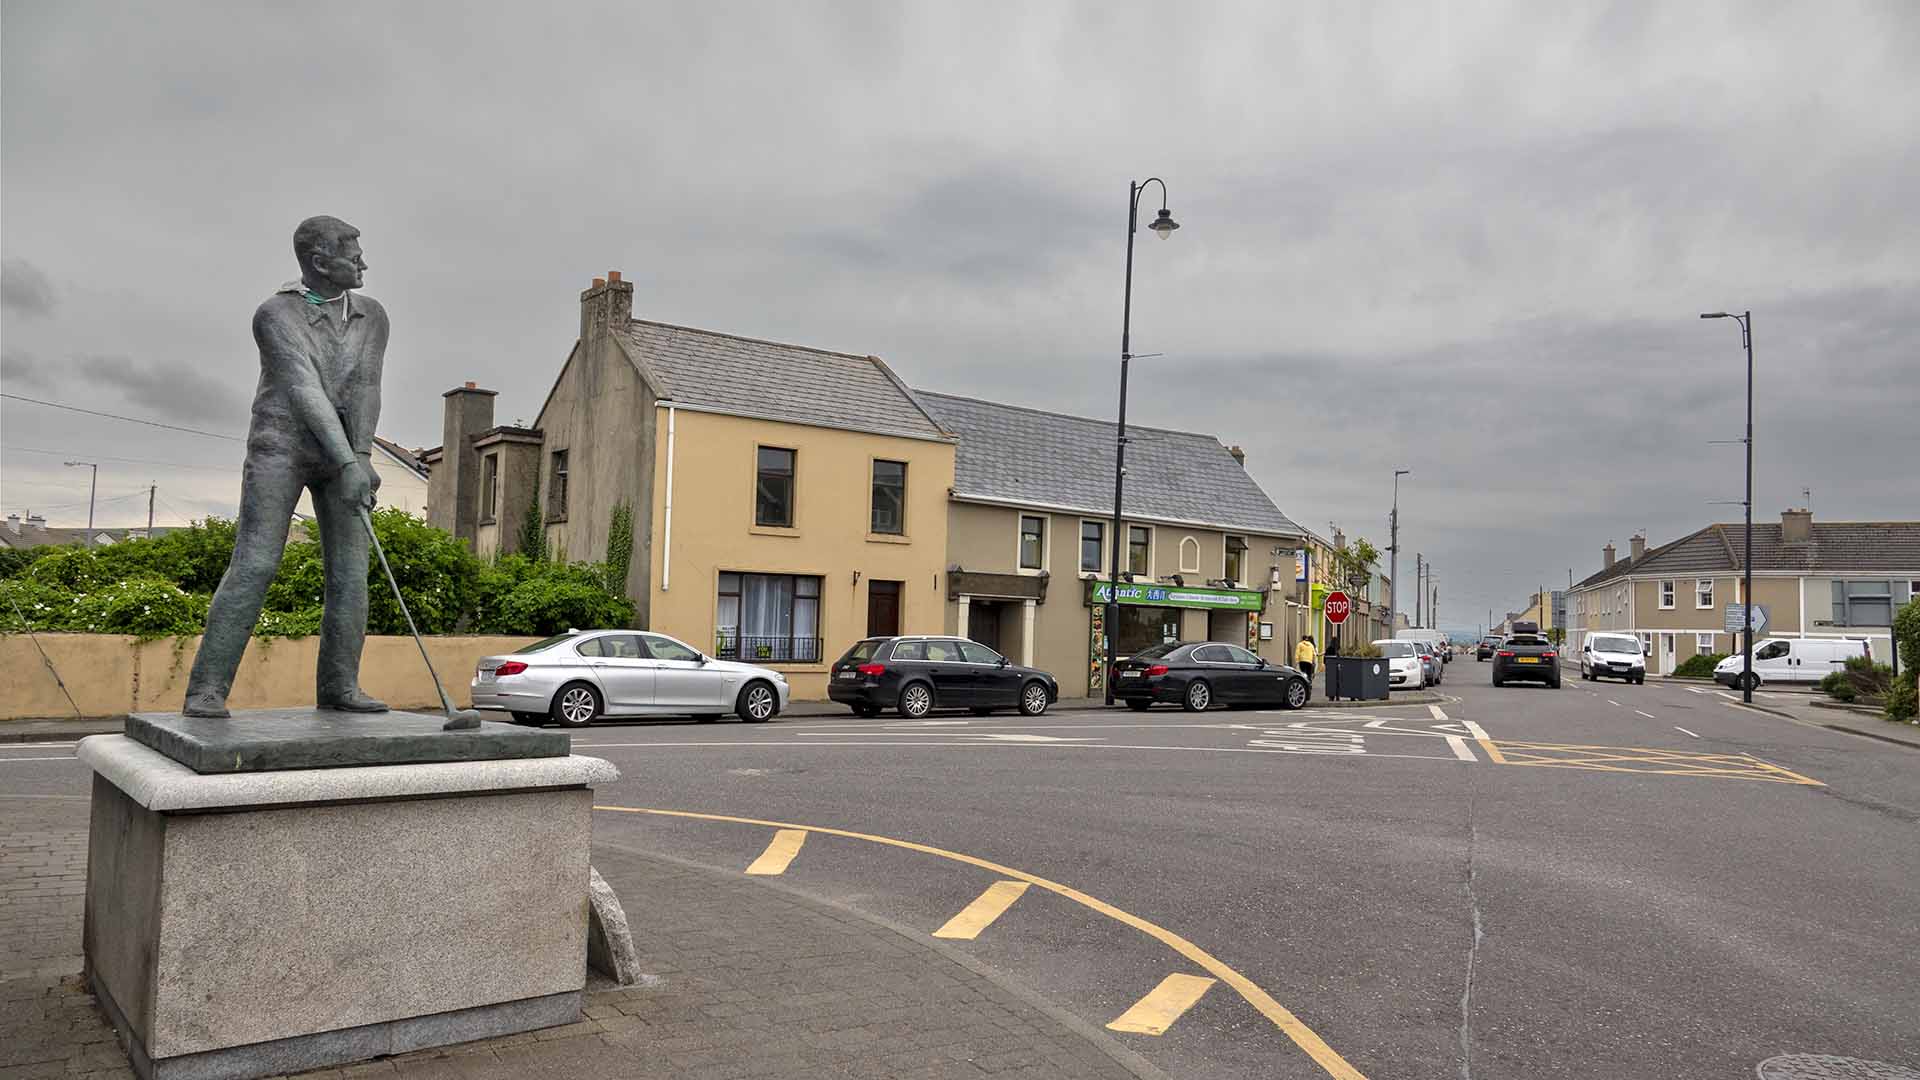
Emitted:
pixel 366 462
pixel 356 489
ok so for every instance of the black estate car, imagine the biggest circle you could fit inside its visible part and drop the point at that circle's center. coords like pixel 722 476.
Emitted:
pixel 917 675
pixel 1200 675
pixel 1526 658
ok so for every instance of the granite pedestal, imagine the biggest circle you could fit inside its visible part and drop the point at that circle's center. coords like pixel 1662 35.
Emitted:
pixel 244 924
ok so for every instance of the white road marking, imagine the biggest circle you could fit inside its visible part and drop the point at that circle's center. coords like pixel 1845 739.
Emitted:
pixel 1648 715
pixel 1478 731
pixel 930 723
pixel 1035 738
pixel 36 745
pixel 68 757
pixel 1697 690
pixel 1615 704
pixel 1438 713
pixel 1677 727
pixel 1460 748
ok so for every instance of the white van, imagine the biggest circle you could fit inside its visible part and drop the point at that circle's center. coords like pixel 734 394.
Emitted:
pixel 1435 638
pixel 1791 660
pixel 1614 656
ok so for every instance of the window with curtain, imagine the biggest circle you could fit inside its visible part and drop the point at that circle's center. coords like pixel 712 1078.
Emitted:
pixel 1236 558
pixel 1093 541
pixel 773 488
pixel 1033 541
pixel 1666 595
pixel 768 618
pixel 889 497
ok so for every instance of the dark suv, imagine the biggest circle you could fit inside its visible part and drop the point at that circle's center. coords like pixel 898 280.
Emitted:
pixel 917 675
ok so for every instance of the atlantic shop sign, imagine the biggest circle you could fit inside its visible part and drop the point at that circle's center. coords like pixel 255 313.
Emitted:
pixel 1178 596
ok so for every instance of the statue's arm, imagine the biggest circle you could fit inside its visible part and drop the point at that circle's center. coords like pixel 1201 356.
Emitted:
pixel 287 366
pixel 365 406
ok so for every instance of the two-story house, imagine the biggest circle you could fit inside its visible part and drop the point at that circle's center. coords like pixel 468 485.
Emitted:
pixel 1204 553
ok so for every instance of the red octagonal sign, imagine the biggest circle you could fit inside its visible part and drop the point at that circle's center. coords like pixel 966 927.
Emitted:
pixel 1338 606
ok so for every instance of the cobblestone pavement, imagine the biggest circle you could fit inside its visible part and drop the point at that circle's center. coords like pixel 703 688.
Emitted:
pixel 745 980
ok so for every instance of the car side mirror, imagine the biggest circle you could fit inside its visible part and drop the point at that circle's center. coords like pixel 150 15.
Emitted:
pixel 705 659
pixel 1004 661
pixel 1262 661
pixel 1646 650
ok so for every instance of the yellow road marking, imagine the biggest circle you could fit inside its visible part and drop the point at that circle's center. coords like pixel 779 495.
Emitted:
pixel 1480 736
pixel 980 914
pixel 773 861
pixel 1651 760
pixel 1303 1036
pixel 1164 1004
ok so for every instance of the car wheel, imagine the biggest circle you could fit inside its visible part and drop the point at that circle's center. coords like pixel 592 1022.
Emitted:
pixel 1139 706
pixel 1033 699
pixel 1752 680
pixel 757 703
pixel 576 705
pixel 916 700
pixel 531 719
pixel 1641 681
pixel 1297 693
pixel 1497 681
pixel 1554 685
pixel 1199 696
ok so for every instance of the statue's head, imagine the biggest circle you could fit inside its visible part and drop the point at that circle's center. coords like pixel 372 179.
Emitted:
pixel 329 249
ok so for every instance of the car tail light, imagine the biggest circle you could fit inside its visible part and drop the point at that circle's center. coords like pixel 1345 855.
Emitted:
pixel 1548 655
pixel 511 667
pixel 871 669
pixel 1156 671
pixel 1506 653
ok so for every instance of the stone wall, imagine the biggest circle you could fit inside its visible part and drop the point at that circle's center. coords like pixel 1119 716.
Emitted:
pixel 112 675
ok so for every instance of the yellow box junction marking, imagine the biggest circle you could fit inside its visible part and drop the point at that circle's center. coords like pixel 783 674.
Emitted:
pixel 1303 1036
pixel 980 914
pixel 1642 759
pixel 773 861
pixel 1155 1013
pixel 1480 736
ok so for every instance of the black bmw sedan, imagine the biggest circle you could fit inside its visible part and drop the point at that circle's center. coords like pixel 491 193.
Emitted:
pixel 1200 675
pixel 917 675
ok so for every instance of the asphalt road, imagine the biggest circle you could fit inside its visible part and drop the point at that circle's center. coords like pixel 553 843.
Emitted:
pixel 1599 881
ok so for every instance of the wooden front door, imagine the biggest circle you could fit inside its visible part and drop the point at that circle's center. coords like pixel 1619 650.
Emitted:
pixel 883 608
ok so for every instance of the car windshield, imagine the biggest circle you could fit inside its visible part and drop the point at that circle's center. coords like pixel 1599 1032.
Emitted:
pixel 1397 649
pixel 862 651
pixel 1616 644
pixel 539 646
pixel 1155 652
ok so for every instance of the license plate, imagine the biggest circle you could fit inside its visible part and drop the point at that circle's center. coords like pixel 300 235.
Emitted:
pixel 849 674
pixel 486 676
pixel 1526 659
pixel 1129 674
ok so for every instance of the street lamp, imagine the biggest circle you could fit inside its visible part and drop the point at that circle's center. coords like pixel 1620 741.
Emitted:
pixel 1393 557
pixel 1746 609
pixel 1163 226
pixel 93 485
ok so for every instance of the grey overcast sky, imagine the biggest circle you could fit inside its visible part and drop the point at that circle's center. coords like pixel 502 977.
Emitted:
pixel 1469 240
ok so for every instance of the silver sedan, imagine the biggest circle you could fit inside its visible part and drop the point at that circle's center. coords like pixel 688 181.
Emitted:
pixel 579 676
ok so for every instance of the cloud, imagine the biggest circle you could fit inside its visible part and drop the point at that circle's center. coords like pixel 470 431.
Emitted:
pixel 20 369
pixel 24 290
pixel 163 388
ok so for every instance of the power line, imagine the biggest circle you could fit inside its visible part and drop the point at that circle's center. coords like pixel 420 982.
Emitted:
pixel 127 419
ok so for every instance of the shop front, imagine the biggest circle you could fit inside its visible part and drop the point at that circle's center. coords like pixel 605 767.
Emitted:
pixel 1153 614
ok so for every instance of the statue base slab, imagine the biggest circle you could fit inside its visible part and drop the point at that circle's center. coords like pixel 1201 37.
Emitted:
pixel 264 740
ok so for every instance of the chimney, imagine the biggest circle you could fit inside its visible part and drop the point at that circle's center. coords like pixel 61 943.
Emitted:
pixel 13 524
pixel 607 304
pixel 1638 545
pixel 453 489
pixel 1796 526
pixel 1339 540
pixel 1606 554
pixel 1239 455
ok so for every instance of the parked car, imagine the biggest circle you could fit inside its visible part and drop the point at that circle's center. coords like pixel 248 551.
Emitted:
pixel 1436 668
pixel 1484 650
pixel 917 675
pixel 578 677
pixel 1436 640
pixel 1792 660
pixel 1406 668
pixel 1615 656
pixel 1199 675
pixel 1526 658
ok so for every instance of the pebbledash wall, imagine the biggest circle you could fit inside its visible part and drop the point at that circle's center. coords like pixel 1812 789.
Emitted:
pixel 113 675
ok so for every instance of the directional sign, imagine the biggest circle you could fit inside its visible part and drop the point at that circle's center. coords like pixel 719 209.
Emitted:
pixel 1356 581
pixel 1736 617
pixel 1338 607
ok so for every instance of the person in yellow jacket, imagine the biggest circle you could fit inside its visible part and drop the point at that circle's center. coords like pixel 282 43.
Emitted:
pixel 1303 655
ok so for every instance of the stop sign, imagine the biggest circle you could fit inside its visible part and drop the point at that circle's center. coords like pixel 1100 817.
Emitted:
pixel 1337 607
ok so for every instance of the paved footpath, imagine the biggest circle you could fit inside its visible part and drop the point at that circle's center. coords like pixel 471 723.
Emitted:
pixel 746 979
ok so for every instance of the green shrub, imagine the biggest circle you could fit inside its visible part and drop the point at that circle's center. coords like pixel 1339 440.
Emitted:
pixel 1901 703
pixel 27 603
pixel 14 560
pixel 1906 633
pixel 146 607
pixel 1867 678
pixel 1836 686
pixel 550 598
pixel 1699 666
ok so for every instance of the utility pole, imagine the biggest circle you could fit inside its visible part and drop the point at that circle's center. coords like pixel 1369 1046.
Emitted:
pixel 93 485
pixel 1393 559
pixel 1419 588
pixel 151 489
pixel 1745 319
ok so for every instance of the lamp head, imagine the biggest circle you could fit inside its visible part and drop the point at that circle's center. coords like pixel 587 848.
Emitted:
pixel 1715 315
pixel 1164 224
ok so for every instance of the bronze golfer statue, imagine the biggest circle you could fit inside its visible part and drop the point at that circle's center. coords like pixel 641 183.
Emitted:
pixel 321 348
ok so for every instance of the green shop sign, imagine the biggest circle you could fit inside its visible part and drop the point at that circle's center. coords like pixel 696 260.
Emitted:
pixel 1176 596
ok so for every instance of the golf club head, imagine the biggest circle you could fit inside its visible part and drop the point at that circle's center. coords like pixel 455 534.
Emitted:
pixel 461 720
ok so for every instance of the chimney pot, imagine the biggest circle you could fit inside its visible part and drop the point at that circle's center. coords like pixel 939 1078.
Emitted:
pixel 471 385
pixel 613 275
pixel 1606 553
pixel 1239 454
pixel 1638 546
pixel 599 282
pixel 1796 526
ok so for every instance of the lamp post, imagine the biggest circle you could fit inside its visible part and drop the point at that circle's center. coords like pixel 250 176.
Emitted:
pixel 1393 556
pixel 1746 608
pixel 93 485
pixel 1163 226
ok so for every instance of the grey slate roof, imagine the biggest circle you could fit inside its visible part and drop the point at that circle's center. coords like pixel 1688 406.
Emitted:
pixel 748 377
pixel 31 534
pixel 1040 458
pixel 1843 547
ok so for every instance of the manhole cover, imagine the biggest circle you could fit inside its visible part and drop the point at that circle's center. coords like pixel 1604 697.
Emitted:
pixel 1828 1067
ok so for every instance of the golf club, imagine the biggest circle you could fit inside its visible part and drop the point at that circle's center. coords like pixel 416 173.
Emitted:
pixel 457 719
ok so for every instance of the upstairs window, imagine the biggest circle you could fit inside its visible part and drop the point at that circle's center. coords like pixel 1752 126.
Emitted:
pixel 1666 595
pixel 1236 559
pixel 1093 543
pixel 773 488
pixel 1703 593
pixel 1863 603
pixel 889 497
pixel 1139 550
pixel 557 486
pixel 489 488
pixel 1033 541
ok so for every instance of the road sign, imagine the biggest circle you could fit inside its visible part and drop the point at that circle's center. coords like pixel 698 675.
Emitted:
pixel 1338 606
pixel 1735 617
pixel 1356 581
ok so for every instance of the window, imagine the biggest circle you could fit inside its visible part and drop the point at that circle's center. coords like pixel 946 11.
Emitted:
pixel 1141 627
pixel 557 488
pixel 1139 551
pixel 1212 654
pixel 768 618
pixel 1236 558
pixel 1703 644
pixel 889 495
pixel 976 653
pixel 910 650
pixel 1703 593
pixel 1240 656
pixel 1033 541
pixel 1863 603
pixel 943 652
pixel 613 647
pixel 773 488
pixel 1772 650
pixel 1093 543
pixel 1666 596
pixel 489 488
pixel 665 648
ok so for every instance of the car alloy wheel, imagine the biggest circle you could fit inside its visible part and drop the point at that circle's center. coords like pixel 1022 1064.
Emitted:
pixel 1033 699
pixel 916 700
pixel 1199 696
pixel 577 706
pixel 1296 694
pixel 756 703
